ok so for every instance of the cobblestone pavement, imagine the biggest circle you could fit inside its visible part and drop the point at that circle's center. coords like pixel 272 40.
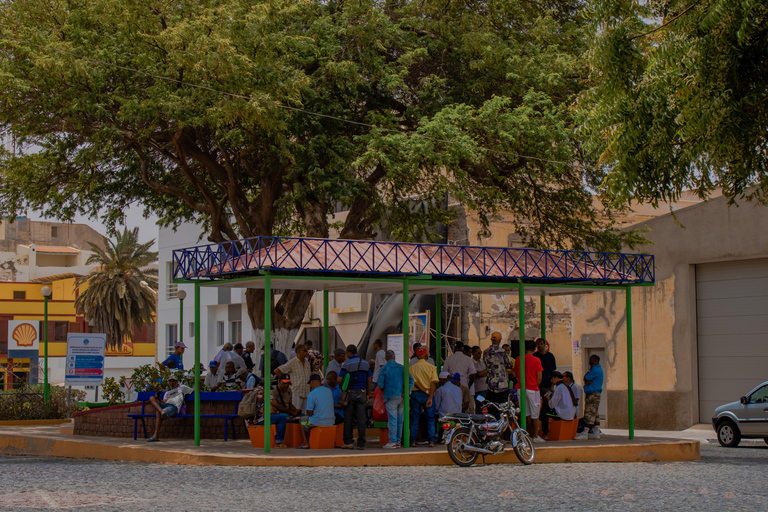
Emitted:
pixel 725 479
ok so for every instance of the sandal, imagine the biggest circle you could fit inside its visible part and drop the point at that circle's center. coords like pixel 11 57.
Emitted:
pixel 281 445
pixel 152 439
pixel 303 447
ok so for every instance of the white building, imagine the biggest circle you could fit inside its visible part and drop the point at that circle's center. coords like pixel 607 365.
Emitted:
pixel 223 313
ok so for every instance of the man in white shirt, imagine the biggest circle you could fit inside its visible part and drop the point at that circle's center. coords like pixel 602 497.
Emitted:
pixel 339 356
pixel 213 376
pixel 575 389
pixel 379 361
pixel 170 406
pixel 230 355
pixel 461 364
pixel 562 399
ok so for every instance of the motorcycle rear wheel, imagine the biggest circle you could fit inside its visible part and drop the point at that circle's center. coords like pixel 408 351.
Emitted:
pixel 523 446
pixel 460 457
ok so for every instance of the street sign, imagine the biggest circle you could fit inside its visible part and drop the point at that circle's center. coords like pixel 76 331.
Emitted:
pixel 85 359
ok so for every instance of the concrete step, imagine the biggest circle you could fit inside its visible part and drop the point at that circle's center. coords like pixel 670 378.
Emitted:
pixel 67 428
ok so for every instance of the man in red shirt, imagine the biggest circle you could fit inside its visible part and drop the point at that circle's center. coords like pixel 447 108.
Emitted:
pixel 533 370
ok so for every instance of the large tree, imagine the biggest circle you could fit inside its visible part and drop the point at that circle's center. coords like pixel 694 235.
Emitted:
pixel 679 98
pixel 297 107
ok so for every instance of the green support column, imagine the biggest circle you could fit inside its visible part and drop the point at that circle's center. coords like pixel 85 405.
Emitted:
pixel 543 304
pixel 267 363
pixel 521 347
pixel 439 332
pixel 326 336
pixel 630 377
pixel 406 439
pixel 197 364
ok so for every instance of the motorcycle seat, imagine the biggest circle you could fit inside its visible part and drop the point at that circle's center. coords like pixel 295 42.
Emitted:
pixel 474 417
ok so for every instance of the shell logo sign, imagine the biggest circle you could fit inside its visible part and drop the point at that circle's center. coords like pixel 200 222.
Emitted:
pixel 23 335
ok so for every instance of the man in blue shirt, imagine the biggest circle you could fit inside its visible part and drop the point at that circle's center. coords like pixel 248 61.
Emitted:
pixel 359 388
pixel 176 357
pixel 390 382
pixel 319 408
pixel 332 381
pixel 593 386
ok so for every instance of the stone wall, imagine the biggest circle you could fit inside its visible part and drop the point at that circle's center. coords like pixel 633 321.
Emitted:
pixel 114 422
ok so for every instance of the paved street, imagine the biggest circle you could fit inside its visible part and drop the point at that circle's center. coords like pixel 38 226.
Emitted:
pixel 725 479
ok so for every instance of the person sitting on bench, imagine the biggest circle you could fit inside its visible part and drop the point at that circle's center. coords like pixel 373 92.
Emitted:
pixel 170 406
pixel 562 402
pixel 319 408
pixel 230 380
pixel 282 398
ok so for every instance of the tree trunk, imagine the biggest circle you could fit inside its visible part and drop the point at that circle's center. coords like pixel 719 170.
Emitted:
pixel 287 315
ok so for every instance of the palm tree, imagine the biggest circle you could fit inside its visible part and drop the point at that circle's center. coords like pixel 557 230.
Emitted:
pixel 121 293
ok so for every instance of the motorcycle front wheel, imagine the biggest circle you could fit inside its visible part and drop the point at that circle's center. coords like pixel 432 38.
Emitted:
pixel 523 446
pixel 461 457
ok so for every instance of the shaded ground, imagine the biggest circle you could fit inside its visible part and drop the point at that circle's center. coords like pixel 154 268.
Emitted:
pixel 725 479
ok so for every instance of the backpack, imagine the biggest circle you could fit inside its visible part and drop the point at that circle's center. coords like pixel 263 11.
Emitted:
pixel 249 405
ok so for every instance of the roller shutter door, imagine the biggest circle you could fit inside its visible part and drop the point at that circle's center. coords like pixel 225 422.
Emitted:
pixel 732 320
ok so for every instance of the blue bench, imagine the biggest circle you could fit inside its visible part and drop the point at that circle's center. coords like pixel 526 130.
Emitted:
pixel 220 396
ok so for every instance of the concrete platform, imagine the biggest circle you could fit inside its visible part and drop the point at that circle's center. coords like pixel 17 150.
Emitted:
pixel 48 441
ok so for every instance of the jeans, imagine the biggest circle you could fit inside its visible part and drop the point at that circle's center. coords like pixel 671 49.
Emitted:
pixel 278 419
pixel 419 406
pixel 355 410
pixel 395 416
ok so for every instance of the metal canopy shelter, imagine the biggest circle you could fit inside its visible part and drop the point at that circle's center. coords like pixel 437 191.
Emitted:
pixel 353 266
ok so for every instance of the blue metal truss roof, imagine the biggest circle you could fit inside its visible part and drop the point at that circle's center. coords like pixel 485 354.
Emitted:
pixel 333 257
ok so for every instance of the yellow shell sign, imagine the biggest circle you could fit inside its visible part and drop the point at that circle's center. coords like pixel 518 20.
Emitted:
pixel 23 335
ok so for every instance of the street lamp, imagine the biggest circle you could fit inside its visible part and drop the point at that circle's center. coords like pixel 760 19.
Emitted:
pixel 181 294
pixel 46 291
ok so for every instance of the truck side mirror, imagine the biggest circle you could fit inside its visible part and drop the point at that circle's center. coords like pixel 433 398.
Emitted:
pixel 743 400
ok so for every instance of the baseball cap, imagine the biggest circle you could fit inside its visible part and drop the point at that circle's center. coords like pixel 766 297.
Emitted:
pixel 496 336
pixel 285 378
pixel 444 375
pixel 179 344
pixel 314 376
pixel 421 352
pixel 455 377
pixel 213 364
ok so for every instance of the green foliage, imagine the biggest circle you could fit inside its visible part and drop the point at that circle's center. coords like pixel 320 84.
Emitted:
pixel 150 377
pixel 112 391
pixel 680 103
pixel 120 294
pixel 27 403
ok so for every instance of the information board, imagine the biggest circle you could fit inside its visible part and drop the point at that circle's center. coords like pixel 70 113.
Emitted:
pixel 395 344
pixel 85 359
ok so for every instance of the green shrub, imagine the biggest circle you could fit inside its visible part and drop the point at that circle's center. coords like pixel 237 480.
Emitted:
pixel 27 403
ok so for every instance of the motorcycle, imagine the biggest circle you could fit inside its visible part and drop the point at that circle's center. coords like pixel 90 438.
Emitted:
pixel 472 435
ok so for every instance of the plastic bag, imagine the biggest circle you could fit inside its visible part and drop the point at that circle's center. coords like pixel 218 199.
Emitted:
pixel 379 409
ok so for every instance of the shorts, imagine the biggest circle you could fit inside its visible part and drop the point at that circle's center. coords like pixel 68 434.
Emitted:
pixel 532 404
pixel 169 410
pixel 305 424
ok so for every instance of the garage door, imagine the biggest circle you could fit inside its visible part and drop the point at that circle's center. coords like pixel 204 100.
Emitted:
pixel 732 318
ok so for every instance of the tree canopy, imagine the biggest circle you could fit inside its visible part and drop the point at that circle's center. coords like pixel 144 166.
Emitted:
pixel 258 117
pixel 679 98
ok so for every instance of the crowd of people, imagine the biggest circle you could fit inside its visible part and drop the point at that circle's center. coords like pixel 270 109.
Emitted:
pixel 342 394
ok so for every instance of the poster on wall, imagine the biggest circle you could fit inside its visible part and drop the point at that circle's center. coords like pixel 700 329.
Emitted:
pixel 395 344
pixel 23 334
pixel 418 330
pixel 85 359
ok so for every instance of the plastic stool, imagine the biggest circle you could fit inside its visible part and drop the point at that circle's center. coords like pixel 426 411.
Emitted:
pixel 293 435
pixel 256 433
pixel 561 430
pixel 322 438
pixel 339 435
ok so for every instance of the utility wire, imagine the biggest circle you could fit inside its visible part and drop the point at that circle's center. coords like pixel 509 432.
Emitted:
pixel 267 102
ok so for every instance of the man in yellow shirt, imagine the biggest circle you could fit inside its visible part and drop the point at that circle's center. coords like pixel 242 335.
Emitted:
pixel 425 378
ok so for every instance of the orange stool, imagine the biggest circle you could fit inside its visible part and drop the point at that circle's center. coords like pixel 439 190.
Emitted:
pixel 383 436
pixel 293 435
pixel 560 430
pixel 322 438
pixel 256 433
pixel 339 435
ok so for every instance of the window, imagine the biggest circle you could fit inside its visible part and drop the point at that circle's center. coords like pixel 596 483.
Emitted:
pixel 171 288
pixel 19 295
pixel 760 396
pixel 54 232
pixel 219 333
pixel 60 330
pixel 171 337
pixel 236 332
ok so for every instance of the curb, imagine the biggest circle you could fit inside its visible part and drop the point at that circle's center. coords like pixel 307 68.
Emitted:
pixel 32 423
pixel 50 446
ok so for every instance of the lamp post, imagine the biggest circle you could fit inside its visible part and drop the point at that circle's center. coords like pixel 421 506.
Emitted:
pixel 46 291
pixel 181 294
